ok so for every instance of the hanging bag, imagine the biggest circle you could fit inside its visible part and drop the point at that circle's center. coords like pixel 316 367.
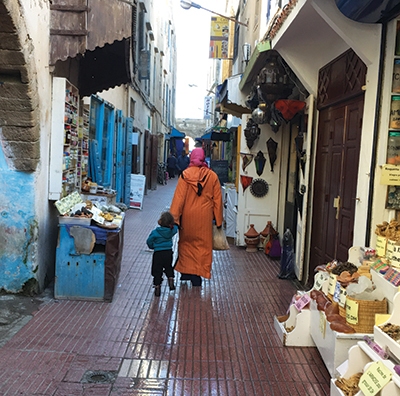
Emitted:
pixel 219 239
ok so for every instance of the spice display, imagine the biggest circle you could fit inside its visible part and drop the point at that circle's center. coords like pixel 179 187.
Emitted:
pixel 349 386
pixel 341 267
pixel 393 331
pixel 389 230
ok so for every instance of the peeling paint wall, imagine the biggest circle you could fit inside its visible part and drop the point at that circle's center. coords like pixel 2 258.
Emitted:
pixel 18 228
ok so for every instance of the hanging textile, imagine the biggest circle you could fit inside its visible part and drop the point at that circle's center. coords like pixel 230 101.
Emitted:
pixel 246 160
pixel 289 108
pixel 272 147
pixel 245 181
pixel 260 161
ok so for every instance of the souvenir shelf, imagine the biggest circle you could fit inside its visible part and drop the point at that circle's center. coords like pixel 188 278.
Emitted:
pixel 83 156
pixel 65 165
pixel 393 149
pixel 294 329
pixel 360 358
pixel 362 355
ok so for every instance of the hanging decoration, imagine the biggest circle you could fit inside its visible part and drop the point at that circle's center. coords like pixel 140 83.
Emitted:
pixel 245 182
pixel 260 161
pixel 289 108
pixel 251 132
pixel 246 160
pixel 272 148
pixel 259 188
pixel 276 118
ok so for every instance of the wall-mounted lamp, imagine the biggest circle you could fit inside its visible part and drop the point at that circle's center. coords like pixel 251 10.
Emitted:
pixel 246 52
pixel 186 4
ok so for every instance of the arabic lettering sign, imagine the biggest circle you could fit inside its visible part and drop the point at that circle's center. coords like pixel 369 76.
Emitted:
pixel 219 38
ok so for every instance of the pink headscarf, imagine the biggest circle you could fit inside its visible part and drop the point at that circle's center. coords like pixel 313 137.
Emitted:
pixel 197 158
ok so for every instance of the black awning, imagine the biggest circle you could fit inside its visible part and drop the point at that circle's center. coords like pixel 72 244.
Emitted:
pixel 104 68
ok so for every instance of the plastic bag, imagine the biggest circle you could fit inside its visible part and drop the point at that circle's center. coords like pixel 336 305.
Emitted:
pixel 219 239
pixel 287 259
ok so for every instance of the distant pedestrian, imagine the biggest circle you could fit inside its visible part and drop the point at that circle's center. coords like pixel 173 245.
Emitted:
pixel 160 239
pixel 171 165
pixel 183 162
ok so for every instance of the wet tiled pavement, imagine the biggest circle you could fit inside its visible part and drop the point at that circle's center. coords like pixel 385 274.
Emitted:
pixel 214 340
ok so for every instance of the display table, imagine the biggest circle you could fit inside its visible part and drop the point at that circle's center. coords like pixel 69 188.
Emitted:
pixel 90 276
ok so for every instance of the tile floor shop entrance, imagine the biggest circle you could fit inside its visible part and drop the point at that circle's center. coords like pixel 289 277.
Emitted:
pixel 217 340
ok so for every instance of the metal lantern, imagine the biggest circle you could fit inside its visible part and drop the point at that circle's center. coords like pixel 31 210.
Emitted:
pixel 251 132
pixel 259 116
pixel 272 82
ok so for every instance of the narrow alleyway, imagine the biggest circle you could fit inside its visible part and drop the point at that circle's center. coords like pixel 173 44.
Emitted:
pixel 217 340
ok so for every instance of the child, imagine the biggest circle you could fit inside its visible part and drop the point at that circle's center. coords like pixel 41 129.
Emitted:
pixel 160 239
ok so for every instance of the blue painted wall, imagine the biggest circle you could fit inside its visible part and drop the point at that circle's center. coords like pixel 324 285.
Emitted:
pixel 18 228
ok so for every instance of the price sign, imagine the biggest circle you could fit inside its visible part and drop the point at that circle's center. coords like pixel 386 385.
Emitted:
pixel 302 301
pixel 380 246
pixel 395 258
pixel 351 311
pixel 319 279
pixel 342 297
pixel 332 283
pixel 374 379
pixel 389 248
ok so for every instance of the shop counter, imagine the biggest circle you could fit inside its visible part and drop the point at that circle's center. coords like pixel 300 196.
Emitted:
pixel 88 262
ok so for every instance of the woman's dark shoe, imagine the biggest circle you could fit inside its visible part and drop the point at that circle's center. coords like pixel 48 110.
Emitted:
pixel 157 290
pixel 196 280
pixel 171 284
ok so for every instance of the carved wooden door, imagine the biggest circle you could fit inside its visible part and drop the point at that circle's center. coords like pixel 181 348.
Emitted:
pixel 335 183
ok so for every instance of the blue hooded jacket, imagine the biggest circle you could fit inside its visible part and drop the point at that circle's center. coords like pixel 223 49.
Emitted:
pixel 161 238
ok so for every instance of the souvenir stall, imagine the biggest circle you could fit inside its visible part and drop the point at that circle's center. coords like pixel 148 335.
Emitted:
pixel 89 197
pixel 352 316
pixel 89 249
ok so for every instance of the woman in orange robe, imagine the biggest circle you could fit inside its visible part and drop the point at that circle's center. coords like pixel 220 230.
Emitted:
pixel 196 203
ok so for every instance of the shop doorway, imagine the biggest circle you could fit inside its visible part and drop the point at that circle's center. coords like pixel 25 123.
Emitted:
pixel 335 183
pixel 150 160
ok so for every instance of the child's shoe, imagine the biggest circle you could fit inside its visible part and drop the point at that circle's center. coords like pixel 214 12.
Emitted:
pixel 157 290
pixel 171 284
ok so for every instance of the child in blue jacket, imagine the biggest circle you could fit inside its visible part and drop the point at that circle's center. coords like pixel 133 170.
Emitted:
pixel 160 239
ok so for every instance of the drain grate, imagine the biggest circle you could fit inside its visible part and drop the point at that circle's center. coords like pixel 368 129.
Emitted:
pixel 99 377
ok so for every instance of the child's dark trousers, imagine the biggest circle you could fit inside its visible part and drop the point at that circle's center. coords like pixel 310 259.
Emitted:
pixel 162 262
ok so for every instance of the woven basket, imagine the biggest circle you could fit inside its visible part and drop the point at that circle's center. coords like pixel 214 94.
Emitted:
pixel 366 314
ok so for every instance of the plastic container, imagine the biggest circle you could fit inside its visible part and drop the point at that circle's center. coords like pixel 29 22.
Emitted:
pixel 396 76
pixel 395 112
pixel 393 148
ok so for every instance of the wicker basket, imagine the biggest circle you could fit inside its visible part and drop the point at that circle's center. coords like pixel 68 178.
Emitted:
pixel 366 314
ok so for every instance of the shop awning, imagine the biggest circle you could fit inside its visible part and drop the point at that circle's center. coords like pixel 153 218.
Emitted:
pixel 176 134
pixel 104 68
pixel 369 11
pixel 228 96
pixel 216 136
pixel 257 60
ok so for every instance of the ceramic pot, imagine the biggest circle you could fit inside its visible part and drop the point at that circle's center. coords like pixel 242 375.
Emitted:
pixel 268 230
pixel 252 239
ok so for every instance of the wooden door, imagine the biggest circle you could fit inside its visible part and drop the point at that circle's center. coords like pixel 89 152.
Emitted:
pixel 335 184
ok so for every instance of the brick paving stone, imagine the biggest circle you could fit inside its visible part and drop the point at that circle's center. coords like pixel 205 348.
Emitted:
pixel 215 340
